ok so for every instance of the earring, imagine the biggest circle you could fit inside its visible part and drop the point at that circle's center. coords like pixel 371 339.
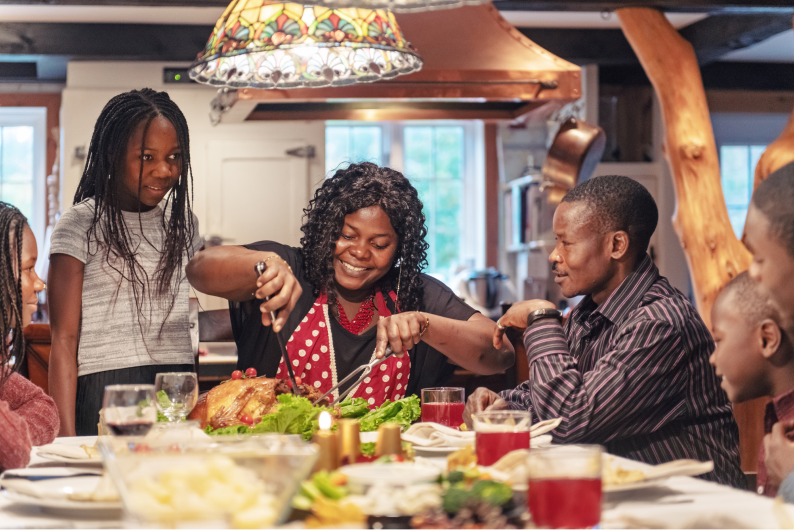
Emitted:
pixel 399 278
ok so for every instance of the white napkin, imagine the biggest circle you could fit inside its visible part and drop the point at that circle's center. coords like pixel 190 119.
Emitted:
pixel 29 488
pixel 65 451
pixel 429 434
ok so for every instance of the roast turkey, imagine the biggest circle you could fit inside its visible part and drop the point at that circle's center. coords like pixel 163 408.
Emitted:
pixel 227 403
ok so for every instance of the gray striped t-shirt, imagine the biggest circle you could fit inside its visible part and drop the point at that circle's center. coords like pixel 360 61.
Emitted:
pixel 112 333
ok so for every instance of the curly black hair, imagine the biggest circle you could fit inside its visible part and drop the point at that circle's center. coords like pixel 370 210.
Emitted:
pixel 349 190
pixel 100 181
pixel 12 226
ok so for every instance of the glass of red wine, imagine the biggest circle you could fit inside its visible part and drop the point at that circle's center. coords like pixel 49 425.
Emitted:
pixel 499 432
pixel 565 486
pixel 129 410
pixel 443 405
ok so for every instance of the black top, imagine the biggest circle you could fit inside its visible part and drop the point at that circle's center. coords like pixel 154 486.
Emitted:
pixel 258 347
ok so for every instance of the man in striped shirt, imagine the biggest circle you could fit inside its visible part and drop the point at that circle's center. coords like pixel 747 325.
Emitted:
pixel 629 369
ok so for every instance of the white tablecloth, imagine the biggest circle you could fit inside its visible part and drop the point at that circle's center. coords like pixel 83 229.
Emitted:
pixel 680 503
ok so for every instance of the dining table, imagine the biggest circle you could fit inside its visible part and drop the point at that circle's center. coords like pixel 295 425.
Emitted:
pixel 677 502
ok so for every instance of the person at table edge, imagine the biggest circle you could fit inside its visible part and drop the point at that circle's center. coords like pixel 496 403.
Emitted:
pixel 353 287
pixel 629 369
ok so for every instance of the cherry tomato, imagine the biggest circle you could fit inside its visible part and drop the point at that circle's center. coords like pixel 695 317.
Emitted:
pixel 297 379
pixel 245 418
pixel 251 372
pixel 237 374
pixel 142 448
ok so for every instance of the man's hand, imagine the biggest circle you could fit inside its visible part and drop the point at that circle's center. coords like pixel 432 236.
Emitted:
pixel 482 399
pixel 516 317
pixel 779 452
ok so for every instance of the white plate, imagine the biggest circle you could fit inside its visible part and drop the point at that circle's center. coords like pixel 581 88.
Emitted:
pixel 633 486
pixel 57 489
pixel 435 449
pixel 65 460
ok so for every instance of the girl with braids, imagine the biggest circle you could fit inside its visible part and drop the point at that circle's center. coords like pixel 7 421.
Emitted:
pixel 353 287
pixel 28 416
pixel 119 296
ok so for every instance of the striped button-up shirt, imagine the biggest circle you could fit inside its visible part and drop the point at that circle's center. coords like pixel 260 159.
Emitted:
pixel 633 375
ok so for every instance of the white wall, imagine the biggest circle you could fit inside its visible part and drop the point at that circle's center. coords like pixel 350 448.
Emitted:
pixel 90 85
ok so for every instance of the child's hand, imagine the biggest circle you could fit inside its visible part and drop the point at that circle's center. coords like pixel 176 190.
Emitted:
pixel 279 283
pixel 779 452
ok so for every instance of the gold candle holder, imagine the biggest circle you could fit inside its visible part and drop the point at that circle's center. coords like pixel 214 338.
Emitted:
pixel 350 446
pixel 389 440
pixel 328 445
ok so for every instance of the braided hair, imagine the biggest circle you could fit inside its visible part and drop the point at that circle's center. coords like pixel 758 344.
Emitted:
pixel 101 181
pixel 349 190
pixel 12 226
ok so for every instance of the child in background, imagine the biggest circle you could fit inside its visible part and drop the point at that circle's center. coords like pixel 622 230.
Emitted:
pixel 754 357
pixel 28 416
pixel 118 293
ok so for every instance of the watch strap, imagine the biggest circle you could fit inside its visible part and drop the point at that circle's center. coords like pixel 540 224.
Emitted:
pixel 543 313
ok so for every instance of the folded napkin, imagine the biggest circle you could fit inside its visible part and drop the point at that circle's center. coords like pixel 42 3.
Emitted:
pixel 429 434
pixel 65 451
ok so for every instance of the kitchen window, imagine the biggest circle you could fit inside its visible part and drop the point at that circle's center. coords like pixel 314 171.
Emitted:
pixel 737 168
pixel 22 163
pixel 444 162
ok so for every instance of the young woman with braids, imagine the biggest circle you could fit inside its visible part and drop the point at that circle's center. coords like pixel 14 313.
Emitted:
pixel 353 287
pixel 28 416
pixel 118 293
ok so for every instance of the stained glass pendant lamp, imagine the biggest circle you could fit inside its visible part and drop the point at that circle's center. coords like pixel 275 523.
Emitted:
pixel 263 44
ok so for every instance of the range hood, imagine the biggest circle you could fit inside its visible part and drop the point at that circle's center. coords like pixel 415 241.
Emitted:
pixel 476 66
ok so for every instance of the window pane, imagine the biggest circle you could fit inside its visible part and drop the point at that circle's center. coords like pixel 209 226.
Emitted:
pixel 365 144
pixel 16 167
pixel 737 216
pixel 419 152
pixel 346 145
pixel 735 170
pixel 337 140
pixel 434 163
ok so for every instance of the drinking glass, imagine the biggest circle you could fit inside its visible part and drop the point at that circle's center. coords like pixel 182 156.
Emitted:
pixel 129 410
pixel 498 432
pixel 565 486
pixel 177 394
pixel 443 405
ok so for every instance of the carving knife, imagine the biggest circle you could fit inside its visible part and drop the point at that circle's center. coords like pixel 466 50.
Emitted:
pixel 260 269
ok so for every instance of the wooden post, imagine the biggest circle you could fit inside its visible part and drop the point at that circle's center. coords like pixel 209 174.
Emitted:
pixel 701 220
pixel 778 154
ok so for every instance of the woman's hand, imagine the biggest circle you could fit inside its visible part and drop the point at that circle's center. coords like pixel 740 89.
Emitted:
pixel 401 331
pixel 279 283
pixel 516 317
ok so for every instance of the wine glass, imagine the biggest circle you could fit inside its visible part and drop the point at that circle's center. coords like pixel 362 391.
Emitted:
pixel 129 410
pixel 177 394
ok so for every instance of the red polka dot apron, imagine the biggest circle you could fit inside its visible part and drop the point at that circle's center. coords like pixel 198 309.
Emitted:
pixel 311 350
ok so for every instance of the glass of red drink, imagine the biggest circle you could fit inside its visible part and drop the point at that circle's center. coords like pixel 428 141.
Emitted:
pixel 443 405
pixel 565 486
pixel 129 410
pixel 499 432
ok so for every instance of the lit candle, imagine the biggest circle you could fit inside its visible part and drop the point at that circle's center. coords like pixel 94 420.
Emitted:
pixel 328 444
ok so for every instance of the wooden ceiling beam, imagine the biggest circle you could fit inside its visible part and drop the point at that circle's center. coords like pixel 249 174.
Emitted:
pixel 146 42
pixel 520 5
pixel 712 37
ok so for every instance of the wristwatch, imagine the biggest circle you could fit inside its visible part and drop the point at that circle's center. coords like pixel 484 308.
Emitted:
pixel 543 313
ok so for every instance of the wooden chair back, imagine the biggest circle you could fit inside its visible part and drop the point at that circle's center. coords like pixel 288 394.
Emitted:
pixel 38 343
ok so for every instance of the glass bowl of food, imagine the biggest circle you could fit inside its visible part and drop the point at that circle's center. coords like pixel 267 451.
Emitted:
pixel 225 483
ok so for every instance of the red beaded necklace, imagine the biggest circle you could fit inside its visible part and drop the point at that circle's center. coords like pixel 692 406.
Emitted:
pixel 362 318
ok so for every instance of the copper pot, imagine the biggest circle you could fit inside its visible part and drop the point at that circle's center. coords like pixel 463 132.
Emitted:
pixel 574 153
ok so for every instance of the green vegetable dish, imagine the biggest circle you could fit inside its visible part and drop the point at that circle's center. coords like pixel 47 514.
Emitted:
pixel 297 415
